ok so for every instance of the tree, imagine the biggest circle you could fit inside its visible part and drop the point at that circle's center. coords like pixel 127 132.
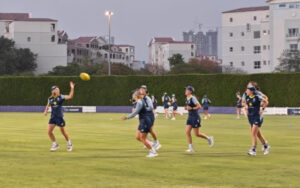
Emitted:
pixel 14 61
pixel 176 59
pixel 289 61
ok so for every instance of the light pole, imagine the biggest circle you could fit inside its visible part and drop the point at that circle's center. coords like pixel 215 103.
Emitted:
pixel 109 14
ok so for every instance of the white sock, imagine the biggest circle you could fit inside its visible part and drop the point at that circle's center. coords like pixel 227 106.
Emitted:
pixel 69 142
pixel 191 146
pixel 156 142
pixel 54 143
pixel 152 150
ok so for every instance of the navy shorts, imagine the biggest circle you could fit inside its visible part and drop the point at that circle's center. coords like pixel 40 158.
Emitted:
pixel 154 106
pixel 166 106
pixel 152 119
pixel 58 121
pixel 239 106
pixel 256 120
pixel 175 107
pixel 194 121
pixel 145 124
pixel 205 107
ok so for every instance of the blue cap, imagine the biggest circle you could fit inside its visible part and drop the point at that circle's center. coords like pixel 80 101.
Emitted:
pixel 251 88
pixel 144 87
pixel 190 88
pixel 53 88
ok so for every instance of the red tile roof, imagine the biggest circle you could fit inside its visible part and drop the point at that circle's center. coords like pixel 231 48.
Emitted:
pixel 248 9
pixel 84 39
pixel 123 45
pixel 163 39
pixel 181 42
pixel 23 17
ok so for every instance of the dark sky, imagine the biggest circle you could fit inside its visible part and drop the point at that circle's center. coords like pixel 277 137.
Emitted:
pixel 135 21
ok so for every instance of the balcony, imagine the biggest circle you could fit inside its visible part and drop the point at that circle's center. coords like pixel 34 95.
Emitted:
pixel 292 36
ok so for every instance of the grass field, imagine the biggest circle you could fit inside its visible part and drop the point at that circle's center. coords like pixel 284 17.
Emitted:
pixel 106 154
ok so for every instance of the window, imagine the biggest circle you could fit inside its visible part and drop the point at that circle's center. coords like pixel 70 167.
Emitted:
pixel 28 39
pixel 231 34
pixel 242 34
pixel 267 16
pixel 192 54
pixel 282 5
pixel 231 64
pixel 231 19
pixel 293 32
pixel 126 49
pixel 105 56
pixel 256 49
pixel 256 34
pixel 265 32
pixel 248 26
pixel 264 47
pixel 257 65
pixel 192 46
pixel 53 38
pixel 52 27
pixel 243 48
pixel 254 18
pixel 294 47
pixel 265 62
pixel 243 63
pixel 231 49
pixel 87 45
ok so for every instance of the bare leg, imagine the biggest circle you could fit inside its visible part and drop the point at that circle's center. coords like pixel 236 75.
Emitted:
pixel 261 137
pixel 153 134
pixel 254 132
pixel 64 132
pixel 50 132
pixel 199 134
pixel 188 133
pixel 138 136
pixel 143 137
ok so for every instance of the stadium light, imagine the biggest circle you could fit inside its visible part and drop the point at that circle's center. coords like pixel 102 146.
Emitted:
pixel 109 14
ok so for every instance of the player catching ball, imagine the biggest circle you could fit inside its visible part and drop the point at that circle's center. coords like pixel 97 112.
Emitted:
pixel 145 123
pixel 194 121
pixel 55 101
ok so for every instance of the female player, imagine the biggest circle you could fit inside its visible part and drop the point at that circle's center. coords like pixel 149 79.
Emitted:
pixel 238 105
pixel 166 100
pixel 194 121
pixel 55 101
pixel 145 123
pixel 175 107
pixel 206 102
pixel 154 102
pixel 252 103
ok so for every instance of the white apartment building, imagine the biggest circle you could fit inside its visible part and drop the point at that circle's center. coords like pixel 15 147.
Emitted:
pixel 254 38
pixel 37 34
pixel 161 49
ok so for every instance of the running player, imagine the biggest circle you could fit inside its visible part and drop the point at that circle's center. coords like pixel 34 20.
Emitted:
pixel 55 101
pixel 252 104
pixel 149 109
pixel 175 107
pixel 194 121
pixel 154 102
pixel 238 105
pixel 145 123
pixel 166 100
pixel 206 102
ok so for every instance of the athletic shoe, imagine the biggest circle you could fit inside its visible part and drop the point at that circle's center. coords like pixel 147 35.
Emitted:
pixel 190 150
pixel 54 147
pixel 211 141
pixel 157 146
pixel 70 147
pixel 152 154
pixel 205 117
pixel 173 118
pixel 251 153
pixel 267 150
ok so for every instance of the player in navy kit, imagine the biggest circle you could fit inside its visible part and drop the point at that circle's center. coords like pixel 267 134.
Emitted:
pixel 238 105
pixel 145 122
pixel 149 109
pixel 154 101
pixel 252 103
pixel 166 100
pixel 175 107
pixel 206 102
pixel 194 121
pixel 55 101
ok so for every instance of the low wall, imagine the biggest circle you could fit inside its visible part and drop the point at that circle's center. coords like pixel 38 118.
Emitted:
pixel 127 109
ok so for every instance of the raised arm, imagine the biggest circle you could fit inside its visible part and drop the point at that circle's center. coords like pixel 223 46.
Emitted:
pixel 71 94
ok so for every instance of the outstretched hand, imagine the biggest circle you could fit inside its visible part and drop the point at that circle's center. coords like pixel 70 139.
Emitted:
pixel 72 85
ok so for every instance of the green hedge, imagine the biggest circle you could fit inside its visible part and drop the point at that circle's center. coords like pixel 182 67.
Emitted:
pixel 282 89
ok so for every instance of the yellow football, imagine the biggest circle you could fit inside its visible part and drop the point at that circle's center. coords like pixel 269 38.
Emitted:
pixel 85 76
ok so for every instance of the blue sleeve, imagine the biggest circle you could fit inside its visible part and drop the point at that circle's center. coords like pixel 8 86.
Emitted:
pixel 149 103
pixel 260 98
pixel 63 97
pixel 138 108
pixel 244 97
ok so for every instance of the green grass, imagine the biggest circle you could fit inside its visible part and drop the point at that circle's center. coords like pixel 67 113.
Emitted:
pixel 106 154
